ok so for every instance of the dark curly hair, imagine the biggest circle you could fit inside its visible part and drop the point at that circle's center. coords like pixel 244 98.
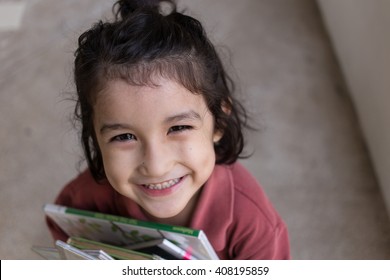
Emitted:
pixel 144 40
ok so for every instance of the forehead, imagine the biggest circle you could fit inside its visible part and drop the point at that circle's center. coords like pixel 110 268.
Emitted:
pixel 120 99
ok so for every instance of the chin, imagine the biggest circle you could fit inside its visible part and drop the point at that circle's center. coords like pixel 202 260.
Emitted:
pixel 169 215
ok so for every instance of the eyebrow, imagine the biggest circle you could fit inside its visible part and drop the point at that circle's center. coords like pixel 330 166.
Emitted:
pixel 117 126
pixel 189 115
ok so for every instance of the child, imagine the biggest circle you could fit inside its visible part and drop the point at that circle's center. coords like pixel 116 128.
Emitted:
pixel 162 132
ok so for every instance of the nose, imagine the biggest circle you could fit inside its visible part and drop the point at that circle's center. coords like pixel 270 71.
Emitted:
pixel 157 160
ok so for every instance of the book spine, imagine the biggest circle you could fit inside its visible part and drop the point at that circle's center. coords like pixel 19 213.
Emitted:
pixel 207 245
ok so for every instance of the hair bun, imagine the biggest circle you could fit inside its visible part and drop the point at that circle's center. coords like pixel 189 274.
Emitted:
pixel 127 7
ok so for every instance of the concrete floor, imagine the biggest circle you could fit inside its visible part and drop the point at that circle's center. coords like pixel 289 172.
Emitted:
pixel 309 155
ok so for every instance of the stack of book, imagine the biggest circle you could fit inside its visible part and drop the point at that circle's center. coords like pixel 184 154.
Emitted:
pixel 102 236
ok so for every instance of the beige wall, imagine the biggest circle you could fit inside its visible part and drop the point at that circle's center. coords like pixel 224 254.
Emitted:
pixel 360 31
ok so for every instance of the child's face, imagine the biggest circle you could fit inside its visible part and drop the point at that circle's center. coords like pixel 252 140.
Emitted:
pixel 156 143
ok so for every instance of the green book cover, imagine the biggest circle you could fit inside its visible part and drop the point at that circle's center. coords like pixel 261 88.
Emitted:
pixel 123 231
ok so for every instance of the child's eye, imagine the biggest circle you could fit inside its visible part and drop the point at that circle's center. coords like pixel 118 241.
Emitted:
pixel 179 128
pixel 124 137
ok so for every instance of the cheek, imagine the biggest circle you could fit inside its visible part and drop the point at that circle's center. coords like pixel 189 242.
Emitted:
pixel 117 166
pixel 200 153
pixel 203 147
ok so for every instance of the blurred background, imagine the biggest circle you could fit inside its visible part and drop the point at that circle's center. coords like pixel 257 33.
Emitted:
pixel 315 76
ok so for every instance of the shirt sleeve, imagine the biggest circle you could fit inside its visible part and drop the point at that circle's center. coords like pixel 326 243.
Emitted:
pixel 261 243
pixel 257 231
pixel 273 246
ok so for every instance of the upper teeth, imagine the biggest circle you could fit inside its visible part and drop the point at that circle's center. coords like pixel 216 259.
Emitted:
pixel 162 185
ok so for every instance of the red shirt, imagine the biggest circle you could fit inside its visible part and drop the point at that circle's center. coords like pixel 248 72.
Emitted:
pixel 232 210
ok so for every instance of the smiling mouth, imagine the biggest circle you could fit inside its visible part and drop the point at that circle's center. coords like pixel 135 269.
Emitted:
pixel 163 185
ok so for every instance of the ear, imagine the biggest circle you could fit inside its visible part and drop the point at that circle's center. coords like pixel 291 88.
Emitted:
pixel 227 109
pixel 217 136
